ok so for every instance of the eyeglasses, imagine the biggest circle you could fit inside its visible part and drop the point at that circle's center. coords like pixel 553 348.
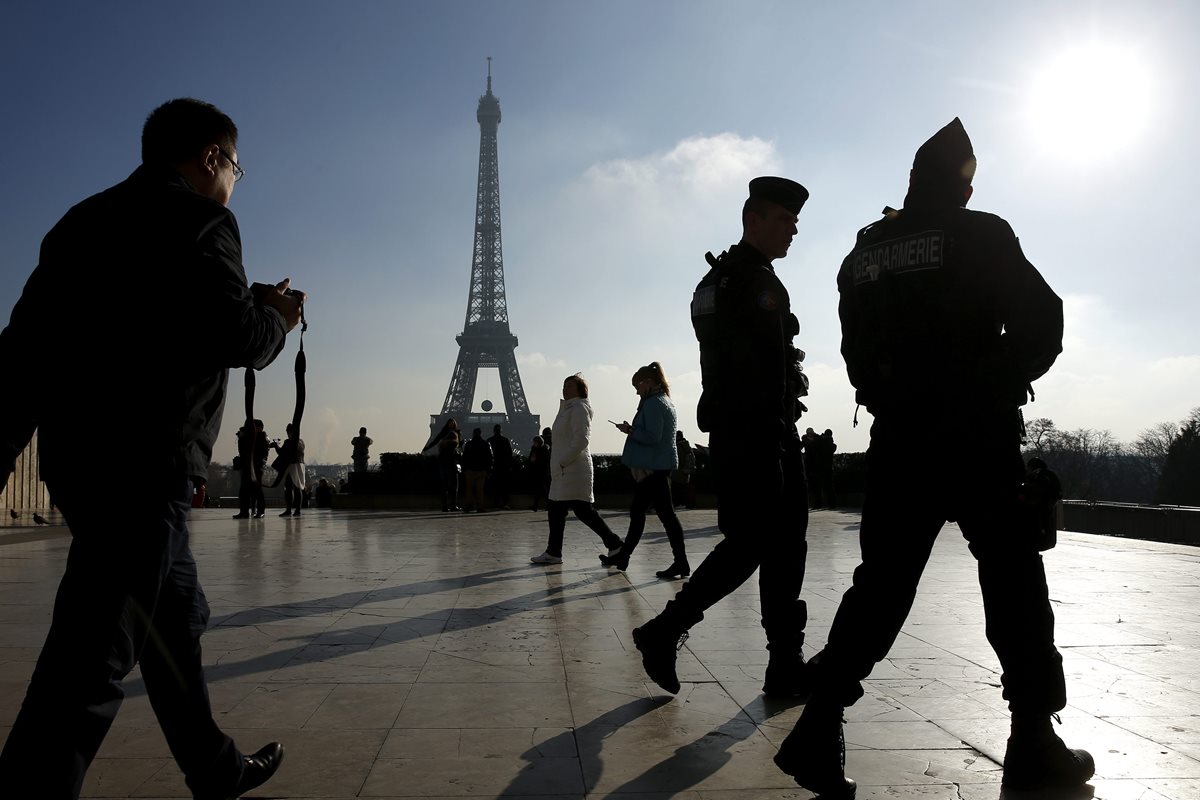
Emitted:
pixel 238 172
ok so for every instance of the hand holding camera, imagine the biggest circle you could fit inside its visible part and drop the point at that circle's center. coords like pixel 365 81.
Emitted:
pixel 285 300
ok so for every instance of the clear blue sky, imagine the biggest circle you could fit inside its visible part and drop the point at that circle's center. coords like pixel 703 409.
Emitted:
pixel 629 132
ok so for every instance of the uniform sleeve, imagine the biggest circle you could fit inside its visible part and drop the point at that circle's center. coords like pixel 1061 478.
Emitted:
pixel 853 347
pixel 241 332
pixel 1030 310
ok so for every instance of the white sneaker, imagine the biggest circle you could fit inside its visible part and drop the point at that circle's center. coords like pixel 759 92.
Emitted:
pixel 612 553
pixel 546 558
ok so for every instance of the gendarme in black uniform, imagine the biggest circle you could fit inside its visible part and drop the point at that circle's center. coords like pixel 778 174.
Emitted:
pixel 751 400
pixel 944 324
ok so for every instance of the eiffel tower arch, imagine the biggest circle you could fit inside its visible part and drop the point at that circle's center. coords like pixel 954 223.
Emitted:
pixel 486 341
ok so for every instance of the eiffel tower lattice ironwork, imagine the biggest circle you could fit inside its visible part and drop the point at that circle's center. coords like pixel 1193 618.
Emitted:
pixel 486 341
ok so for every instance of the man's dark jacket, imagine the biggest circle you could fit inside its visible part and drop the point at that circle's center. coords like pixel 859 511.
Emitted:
pixel 477 455
pixel 127 329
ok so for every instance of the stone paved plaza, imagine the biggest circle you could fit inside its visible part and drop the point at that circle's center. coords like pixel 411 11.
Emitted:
pixel 404 654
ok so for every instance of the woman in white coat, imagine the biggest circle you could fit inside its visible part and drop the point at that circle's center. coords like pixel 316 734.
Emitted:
pixel 571 473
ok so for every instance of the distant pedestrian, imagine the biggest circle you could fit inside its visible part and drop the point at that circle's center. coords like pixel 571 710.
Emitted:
pixel 323 494
pixel 651 455
pixel 571 473
pixel 682 489
pixel 252 460
pixel 502 466
pixel 822 476
pixel 360 455
pixel 476 464
pixel 448 442
pixel 290 466
pixel 548 438
pixel 539 470
pixel 811 442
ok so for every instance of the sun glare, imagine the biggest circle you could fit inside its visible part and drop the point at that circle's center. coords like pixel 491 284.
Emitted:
pixel 1090 102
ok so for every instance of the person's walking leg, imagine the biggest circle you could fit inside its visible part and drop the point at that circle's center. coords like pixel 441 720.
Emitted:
pixel 637 524
pixel 664 506
pixel 588 515
pixel 174 675
pixel 557 520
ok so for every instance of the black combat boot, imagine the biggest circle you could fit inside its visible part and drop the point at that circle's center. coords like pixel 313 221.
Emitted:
pixel 814 753
pixel 679 569
pixel 1037 759
pixel 787 677
pixel 658 642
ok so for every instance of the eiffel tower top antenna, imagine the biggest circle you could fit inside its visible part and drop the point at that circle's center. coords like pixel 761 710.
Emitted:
pixel 486 340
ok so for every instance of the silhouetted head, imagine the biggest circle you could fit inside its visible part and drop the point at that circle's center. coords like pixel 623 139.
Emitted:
pixel 477 433
pixel 574 386
pixel 362 431
pixel 452 424
pixel 1035 463
pixel 944 166
pixel 258 425
pixel 650 379
pixel 496 429
pixel 770 213
pixel 197 140
pixel 289 428
pixel 539 441
pixel 545 432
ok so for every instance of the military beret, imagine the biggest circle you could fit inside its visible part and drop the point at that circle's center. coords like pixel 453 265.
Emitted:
pixel 947 157
pixel 786 193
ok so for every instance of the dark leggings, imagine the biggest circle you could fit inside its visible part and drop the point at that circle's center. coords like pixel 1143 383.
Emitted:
pixel 587 515
pixel 654 490
pixel 293 495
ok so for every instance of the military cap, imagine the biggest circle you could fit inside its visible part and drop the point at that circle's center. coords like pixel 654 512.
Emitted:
pixel 946 158
pixel 786 193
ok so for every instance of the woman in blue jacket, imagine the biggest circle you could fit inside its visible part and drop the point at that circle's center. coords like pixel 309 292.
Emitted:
pixel 651 455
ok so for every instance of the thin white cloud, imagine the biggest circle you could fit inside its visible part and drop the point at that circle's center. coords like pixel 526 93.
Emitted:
pixel 539 361
pixel 698 163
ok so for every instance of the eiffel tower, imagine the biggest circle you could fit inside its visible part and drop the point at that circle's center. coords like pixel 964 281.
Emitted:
pixel 486 341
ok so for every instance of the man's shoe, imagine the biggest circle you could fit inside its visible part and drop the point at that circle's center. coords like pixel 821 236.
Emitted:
pixel 258 515
pixel 658 645
pixel 787 677
pixel 618 559
pixel 256 770
pixel 615 551
pixel 1037 759
pixel 546 558
pixel 296 513
pixel 678 569
pixel 287 512
pixel 241 516
pixel 814 754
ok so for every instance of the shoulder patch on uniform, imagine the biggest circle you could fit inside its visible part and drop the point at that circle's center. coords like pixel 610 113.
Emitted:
pixel 704 301
pixel 916 252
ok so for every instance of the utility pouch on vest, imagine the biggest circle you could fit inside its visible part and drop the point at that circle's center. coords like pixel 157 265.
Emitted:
pixel 1037 501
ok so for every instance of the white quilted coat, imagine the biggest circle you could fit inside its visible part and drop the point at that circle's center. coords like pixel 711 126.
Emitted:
pixel 570 457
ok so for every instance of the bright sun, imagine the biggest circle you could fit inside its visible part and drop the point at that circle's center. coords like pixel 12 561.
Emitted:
pixel 1090 102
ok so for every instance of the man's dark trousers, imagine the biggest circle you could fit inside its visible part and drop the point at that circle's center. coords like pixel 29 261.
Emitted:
pixel 762 511
pixel 911 493
pixel 129 594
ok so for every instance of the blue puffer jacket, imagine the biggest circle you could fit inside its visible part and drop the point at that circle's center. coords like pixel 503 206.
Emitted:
pixel 651 440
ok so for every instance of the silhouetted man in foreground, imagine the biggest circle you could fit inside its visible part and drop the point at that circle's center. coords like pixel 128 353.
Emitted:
pixel 128 282
pixel 943 320
pixel 752 382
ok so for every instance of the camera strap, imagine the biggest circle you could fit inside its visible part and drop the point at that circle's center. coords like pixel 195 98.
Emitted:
pixel 251 465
